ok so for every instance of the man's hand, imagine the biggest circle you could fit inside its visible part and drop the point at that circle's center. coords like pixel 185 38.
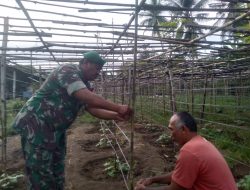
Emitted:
pixel 125 111
pixel 142 183
pixel 140 187
pixel 145 181
pixel 119 117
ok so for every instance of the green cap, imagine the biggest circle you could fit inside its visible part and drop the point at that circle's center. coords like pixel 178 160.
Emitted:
pixel 94 57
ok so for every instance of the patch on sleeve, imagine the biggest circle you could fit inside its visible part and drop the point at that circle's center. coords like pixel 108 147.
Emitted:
pixel 75 86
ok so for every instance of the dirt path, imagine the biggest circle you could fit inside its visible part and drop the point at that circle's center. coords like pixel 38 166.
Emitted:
pixel 84 161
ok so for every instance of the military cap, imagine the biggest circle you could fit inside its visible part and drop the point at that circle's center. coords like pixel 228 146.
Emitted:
pixel 94 57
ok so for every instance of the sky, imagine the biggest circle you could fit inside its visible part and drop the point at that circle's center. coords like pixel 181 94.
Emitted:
pixel 104 17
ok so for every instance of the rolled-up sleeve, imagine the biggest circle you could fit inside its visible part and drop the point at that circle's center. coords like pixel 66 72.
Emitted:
pixel 69 78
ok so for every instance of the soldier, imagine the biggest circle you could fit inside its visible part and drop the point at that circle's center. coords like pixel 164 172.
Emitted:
pixel 44 119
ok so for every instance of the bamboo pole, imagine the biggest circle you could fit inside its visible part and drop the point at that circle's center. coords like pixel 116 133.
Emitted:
pixel 204 98
pixel 123 77
pixel 3 94
pixel 131 172
pixel 14 85
pixel 138 8
pixel 172 94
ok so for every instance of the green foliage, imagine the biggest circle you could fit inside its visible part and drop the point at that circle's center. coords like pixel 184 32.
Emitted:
pixel 170 24
pixel 244 183
pixel 103 142
pixel 17 105
pixel 164 139
pixel 232 142
pixel 8 182
pixel 87 118
pixel 113 167
pixel 185 20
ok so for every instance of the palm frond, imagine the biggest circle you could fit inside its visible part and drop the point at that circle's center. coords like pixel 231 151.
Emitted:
pixel 200 4
pixel 174 3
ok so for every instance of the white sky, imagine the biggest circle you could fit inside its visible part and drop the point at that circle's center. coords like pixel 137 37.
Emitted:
pixel 104 16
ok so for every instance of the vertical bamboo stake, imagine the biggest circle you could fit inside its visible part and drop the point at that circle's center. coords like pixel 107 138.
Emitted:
pixel 204 97
pixel 102 84
pixel 113 67
pixel 172 95
pixel 123 77
pixel 14 85
pixel 167 92
pixel 240 90
pixel 3 92
pixel 211 93
pixel 187 96
pixel 163 95
pixel 238 94
pixel 192 83
pixel 214 94
pixel 31 63
pixel 129 84
pixel 141 94
pixel 131 173
pixel 226 86
pixel 152 98
pixel 40 75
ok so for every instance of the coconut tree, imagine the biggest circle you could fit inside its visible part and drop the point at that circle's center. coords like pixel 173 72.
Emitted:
pixel 228 16
pixel 186 24
pixel 154 19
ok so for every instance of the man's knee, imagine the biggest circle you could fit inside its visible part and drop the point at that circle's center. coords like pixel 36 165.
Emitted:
pixel 42 171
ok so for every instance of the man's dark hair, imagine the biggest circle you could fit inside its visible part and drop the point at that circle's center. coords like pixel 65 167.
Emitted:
pixel 188 121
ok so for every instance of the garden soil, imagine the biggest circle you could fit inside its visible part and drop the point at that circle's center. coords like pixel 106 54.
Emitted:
pixel 85 161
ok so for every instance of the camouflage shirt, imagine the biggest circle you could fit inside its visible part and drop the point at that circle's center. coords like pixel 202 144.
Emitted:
pixel 52 109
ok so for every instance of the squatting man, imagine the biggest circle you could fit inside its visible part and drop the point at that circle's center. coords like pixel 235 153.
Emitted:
pixel 199 166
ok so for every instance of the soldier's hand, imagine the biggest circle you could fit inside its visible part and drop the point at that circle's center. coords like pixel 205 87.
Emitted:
pixel 119 117
pixel 125 111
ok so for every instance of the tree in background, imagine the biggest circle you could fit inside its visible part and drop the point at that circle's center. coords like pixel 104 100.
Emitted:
pixel 154 19
pixel 186 28
pixel 229 16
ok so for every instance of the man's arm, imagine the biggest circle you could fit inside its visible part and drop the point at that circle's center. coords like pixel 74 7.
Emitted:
pixel 172 186
pixel 93 100
pixel 104 114
pixel 163 179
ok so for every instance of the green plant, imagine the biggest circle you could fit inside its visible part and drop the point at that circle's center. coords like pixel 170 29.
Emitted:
pixel 244 183
pixel 164 139
pixel 103 143
pixel 114 166
pixel 9 181
pixel 87 118
pixel 17 105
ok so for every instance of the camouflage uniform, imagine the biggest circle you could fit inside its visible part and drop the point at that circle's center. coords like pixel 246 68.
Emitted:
pixel 42 123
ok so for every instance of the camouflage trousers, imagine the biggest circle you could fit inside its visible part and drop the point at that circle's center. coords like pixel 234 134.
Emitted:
pixel 44 168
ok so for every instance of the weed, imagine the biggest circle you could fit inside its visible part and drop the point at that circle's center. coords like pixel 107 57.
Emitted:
pixel 114 166
pixel 163 139
pixel 8 182
pixel 244 183
pixel 103 143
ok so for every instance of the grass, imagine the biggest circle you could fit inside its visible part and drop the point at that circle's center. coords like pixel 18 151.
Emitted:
pixel 13 106
pixel 233 142
pixel 87 118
